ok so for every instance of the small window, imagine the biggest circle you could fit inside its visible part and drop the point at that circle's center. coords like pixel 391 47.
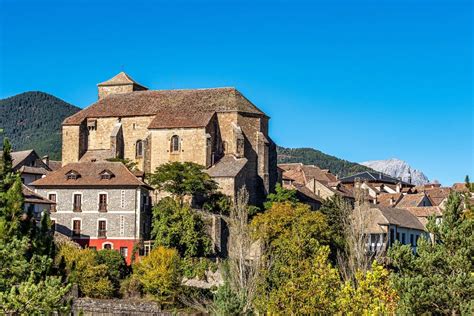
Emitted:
pixel 107 246
pixel 102 232
pixel 72 175
pixel 240 146
pixel 124 251
pixel 102 202
pixel 106 175
pixel 175 144
pixel 76 228
pixel 403 238
pixel 52 198
pixel 139 148
pixel 77 202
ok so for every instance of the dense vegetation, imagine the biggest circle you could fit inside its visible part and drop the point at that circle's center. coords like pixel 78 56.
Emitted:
pixel 32 120
pixel 310 156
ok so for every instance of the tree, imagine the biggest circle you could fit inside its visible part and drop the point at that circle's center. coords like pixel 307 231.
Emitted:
pixel 159 274
pixel 26 286
pixel 82 268
pixel 337 210
pixel 295 272
pixel 281 195
pixel 370 293
pixel 117 268
pixel 439 277
pixel 178 226
pixel 181 179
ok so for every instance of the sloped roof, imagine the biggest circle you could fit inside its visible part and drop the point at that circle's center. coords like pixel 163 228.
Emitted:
pixel 33 170
pixel 384 199
pixel 159 102
pixel 425 211
pixel 120 79
pixel 373 176
pixel 32 197
pixel 227 166
pixel 401 217
pixel 411 200
pixel 54 164
pixel 90 176
pixel 304 173
pixel 181 120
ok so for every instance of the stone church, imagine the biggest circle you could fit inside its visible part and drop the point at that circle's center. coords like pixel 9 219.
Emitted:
pixel 218 128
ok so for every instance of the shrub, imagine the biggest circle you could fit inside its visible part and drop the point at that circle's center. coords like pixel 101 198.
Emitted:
pixel 159 274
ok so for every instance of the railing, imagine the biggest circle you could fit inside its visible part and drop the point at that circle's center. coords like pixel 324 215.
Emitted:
pixel 102 233
pixel 102 207
pixel 76 233
pixel 76 208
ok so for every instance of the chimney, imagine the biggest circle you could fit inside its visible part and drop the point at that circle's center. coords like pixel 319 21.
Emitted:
pixel 121 83
pixel 45 160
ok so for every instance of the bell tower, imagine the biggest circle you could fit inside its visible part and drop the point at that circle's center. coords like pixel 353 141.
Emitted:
pixel 121 83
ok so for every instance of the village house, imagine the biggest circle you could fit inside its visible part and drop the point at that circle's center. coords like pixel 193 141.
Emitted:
pixel 217 128
pixel 99 205
pixel 35 204
pixel 29 165
pixel 312 183
pixel 386 225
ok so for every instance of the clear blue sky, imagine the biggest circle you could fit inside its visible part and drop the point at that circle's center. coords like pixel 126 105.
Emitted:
pixel 360 80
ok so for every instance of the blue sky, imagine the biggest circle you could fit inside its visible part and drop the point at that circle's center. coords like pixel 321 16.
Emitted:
pixel 360 80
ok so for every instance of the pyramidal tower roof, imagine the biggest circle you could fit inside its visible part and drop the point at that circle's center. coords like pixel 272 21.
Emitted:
pixel 120 79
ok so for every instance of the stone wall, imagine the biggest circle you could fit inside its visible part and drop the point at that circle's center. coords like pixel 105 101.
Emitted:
pixel 114 307
pixel 192 146
pixel 122 219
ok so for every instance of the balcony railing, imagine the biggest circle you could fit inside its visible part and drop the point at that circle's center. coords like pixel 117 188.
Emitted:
pixel 102 207
pixel 76 208
pixel 76 233
pixel 102 233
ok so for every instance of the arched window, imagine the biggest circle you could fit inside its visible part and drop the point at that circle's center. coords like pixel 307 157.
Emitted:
pixel 175 143
pixel 139 148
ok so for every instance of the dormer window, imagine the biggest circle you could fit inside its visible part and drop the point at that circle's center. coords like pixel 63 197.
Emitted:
pixel 72 175
pixel 106 175
pixel 175 144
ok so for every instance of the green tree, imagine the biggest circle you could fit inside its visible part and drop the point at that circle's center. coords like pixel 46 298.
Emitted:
pixel 117 268
pixel 439 278
pixel 159 274
pixel 82 268
pixel 181 179
pixel 296 274
pixel 336 210
pixel 178 226
pixel 371 293
pixel 281 195
pixel 26 284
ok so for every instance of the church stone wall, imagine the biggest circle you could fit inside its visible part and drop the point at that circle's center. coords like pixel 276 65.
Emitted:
pixel 193 146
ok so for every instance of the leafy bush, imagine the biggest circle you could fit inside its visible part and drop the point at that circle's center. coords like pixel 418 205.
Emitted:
pixel 131 287
pixel 159 274
pixel 197 267
pixel 178 226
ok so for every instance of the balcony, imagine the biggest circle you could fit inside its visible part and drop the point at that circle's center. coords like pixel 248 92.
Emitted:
pixel 76 208
pixel 76 233
pixel 102 207
pixel 102 233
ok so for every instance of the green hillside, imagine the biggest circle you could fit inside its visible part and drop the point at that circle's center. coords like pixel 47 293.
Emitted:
pixel 32 120
pixel 310 156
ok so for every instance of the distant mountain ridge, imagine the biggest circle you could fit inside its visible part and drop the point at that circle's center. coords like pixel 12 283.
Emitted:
pixel 310 156
pixel 399 169
pixel 32 120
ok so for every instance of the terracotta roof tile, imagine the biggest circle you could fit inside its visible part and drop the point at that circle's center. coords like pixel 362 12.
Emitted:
pixel 389 199
pixel 411 200
pixel 160 102
pixel 34 198
pixel 90 176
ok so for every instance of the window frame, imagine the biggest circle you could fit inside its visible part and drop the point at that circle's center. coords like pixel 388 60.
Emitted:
pixel 74 208
pixel 73 228
pixel 175 144
pixel 100 204
pixel 139 148
pixel 54 207
pixel 102 232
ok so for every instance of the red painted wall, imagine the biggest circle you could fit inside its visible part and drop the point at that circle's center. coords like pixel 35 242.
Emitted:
pixel 116 244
